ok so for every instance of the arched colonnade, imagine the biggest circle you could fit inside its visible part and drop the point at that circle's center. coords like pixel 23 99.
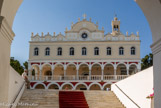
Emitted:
pixel 81 70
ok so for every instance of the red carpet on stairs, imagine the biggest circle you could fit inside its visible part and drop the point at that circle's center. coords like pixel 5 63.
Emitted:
pixel 72 99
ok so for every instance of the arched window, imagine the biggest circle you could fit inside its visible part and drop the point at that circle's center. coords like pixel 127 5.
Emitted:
pixel 121 51
pixel 116 28
pixel 109 51
pixel 132 50
pixel 96 51
pixel 84 51
pixel 71 51
pixel 36 51
pixel 47 51
pixel 59 51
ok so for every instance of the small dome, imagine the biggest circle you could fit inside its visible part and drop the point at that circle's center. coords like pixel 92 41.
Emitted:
pixel 115 18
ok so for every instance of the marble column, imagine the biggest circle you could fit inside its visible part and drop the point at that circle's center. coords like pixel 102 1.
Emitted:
pixel 89 74
pixel 102 74
pixel 127 72
pixel 115 74
pixel 40 75
pixel 77 76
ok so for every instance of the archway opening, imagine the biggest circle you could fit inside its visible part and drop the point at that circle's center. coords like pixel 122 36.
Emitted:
pixel 121 69
pixel 53 86
pixel 81 87
pixel 35 71
pixel 133 69
pixel 67 87
pixel 39 86
pixel 58 72
pixel 71 72
pixel 108 69
pixel 83 72
pixel 46 72
pixel 95 87
pixel 96 72
pixel 107 87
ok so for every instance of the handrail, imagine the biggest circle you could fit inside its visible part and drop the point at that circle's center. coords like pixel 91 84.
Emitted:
pixel 79 77
pixel 17 95
pixel 127 96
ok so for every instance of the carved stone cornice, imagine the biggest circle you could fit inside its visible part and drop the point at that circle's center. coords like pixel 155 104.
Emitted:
pixel 6 30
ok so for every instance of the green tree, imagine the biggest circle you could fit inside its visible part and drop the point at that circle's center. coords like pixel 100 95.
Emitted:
pixel 16 65
pixel 147 61
pixel 25 65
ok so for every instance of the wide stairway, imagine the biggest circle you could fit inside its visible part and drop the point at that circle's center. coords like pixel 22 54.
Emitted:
pixel 102 99
pixel 72 99
pixel 40 99
pixel 69 99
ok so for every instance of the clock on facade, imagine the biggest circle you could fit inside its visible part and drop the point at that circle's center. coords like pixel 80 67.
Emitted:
pixel 84 35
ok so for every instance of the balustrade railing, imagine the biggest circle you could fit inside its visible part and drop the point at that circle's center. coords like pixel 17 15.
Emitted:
pixel 80 77
pixel 109 77
pixel 96 77
pixel 83 77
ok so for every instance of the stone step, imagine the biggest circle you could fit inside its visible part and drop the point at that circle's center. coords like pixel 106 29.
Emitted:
pixel 40 98
pixel 102 99
pixel 50 99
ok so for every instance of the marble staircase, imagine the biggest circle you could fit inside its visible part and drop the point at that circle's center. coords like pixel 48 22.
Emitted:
pixel 39 98
pixel 102 99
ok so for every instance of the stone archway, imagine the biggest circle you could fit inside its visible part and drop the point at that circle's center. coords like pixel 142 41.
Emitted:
pixel 46 72
pixel 121 69
pixel 67 87
pixel 94 87
pixel 150 8
pixel 108 69
pixel 39 86
pixel 53 86
pixel 133 69
pixel 107 87
pixel 96 70
pixel 59 70
pixel 71 71
pixel 34 72
pixel 83 72
pixel 81 86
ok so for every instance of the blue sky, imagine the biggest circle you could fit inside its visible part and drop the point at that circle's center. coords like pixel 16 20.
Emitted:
pixel 55 15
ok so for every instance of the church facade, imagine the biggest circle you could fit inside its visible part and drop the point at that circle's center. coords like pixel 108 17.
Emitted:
pixel 84 59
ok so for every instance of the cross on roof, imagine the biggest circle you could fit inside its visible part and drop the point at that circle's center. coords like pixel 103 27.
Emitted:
pixel 84 16
pixel 115 15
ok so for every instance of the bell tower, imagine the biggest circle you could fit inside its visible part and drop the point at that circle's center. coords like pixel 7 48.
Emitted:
pixel 115 26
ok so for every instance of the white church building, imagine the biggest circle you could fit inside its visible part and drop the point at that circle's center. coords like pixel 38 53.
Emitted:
pixel 85 58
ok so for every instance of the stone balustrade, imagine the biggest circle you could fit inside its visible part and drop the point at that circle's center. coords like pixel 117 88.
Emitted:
pixel 74 77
